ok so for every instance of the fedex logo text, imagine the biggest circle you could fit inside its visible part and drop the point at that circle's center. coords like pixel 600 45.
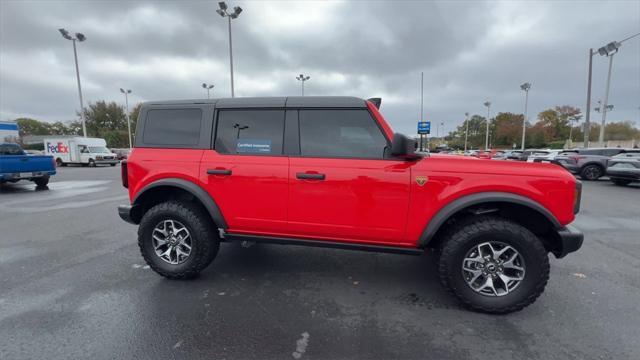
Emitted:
pixel 59 148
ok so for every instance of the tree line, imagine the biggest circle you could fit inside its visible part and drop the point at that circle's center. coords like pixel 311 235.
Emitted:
pixel 107 120
pixel 552 129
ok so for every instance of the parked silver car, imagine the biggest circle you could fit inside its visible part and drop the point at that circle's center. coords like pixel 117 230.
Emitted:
pixel 590 164
pixel 623 169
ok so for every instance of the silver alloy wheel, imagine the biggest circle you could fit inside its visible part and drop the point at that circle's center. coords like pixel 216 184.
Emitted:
pixel 171 241
pixel 493 268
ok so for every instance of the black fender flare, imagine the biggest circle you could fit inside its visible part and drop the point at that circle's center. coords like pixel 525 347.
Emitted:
pixel 198 192
pixel 441 217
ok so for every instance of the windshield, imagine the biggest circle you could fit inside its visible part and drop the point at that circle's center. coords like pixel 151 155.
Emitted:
pixel 99 150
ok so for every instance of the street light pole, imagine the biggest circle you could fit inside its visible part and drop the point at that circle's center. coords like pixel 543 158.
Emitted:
pixel 606 99
pixel 222 11
pixel 486 139
pixel 126 100
pixel 208 88
pixel 526 86
pixel 587 122
pixel 466 131
pixel 302 79
pixel 609 50
pixel 79 37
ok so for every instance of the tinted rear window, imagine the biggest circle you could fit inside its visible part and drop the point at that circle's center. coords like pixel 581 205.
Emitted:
pixel 250 132
pixel 11 149
pixel 172 127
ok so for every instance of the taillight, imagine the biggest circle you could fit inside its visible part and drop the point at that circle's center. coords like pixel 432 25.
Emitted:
pixel 124 173
pixel 577 197
pixel 53 161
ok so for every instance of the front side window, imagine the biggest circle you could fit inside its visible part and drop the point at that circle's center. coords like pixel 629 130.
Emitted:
pixel 250 132
pixel 340 133
pixel 168 127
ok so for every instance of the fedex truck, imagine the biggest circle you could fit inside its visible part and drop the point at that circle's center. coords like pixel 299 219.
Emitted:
pixel 79 150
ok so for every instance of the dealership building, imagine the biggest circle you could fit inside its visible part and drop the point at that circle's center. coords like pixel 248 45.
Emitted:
pixel 9 131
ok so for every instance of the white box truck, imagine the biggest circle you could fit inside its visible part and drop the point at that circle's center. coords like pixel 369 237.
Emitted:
pixel 79 150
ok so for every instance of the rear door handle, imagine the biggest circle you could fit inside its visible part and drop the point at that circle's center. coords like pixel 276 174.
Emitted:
pixel 219 172
pixel 307 176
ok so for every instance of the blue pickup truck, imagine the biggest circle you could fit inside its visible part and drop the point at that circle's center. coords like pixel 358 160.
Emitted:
pixel 16 165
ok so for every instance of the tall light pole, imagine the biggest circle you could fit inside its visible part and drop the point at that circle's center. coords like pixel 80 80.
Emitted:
pixel 302 79
pixel 608 50
pixel 587 118
pixel 486 139
pixel 525 87
pixel 78 37
pixel 603 109
pixel 222 11
pixel 208 88
pixel 466 131
pixel 126 101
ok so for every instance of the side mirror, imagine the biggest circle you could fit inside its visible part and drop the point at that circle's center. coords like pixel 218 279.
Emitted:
pixel 403 147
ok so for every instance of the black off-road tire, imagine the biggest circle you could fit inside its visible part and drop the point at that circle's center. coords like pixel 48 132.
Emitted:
pixel 112 164
pixel 204 239
pixel 591 172
pixel 621 182
pixel 475 230
pixel 42 181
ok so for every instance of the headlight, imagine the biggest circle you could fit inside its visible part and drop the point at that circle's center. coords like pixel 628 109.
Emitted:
pixel 577 197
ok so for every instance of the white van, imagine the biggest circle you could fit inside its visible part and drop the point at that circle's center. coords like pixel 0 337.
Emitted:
pixel 79 150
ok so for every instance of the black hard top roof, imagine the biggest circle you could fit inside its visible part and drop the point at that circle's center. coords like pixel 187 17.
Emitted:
pixel 275 102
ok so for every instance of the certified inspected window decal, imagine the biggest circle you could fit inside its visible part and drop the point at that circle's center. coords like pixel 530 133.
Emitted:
pixel 253 146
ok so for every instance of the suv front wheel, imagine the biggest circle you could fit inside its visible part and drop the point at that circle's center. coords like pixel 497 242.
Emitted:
pixel 493 265
pixel 176 241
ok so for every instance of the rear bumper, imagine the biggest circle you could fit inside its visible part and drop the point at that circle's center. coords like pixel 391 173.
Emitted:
pixel 129 213
pixel 570 240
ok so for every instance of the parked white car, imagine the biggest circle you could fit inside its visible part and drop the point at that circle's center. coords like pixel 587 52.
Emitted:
pixel 543 155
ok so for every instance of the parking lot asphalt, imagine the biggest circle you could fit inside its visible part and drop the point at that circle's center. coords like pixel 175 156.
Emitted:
pixel 73 285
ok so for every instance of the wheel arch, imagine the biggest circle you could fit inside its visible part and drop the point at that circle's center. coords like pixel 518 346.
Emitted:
pixel 518 208
pixel 174 188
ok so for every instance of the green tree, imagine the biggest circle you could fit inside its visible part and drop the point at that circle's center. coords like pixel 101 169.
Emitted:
pixel 508 129
pixel 108 121
pixel 29 126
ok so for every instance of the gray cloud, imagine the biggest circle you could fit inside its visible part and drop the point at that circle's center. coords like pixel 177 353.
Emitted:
pixel 469 51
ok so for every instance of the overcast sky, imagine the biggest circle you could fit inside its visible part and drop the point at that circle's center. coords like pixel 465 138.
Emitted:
pixel 470 51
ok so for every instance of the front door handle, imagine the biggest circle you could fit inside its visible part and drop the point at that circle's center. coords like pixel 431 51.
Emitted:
pixel 307 176
pixel 219 172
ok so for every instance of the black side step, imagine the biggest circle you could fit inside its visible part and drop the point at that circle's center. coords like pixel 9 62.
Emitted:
pixel 324 243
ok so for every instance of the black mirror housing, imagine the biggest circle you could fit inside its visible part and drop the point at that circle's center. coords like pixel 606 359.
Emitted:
pixel 403 147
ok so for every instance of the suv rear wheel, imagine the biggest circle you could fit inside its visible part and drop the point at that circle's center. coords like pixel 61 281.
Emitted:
pixel 175 239
pixel 493 265
pixel 591 172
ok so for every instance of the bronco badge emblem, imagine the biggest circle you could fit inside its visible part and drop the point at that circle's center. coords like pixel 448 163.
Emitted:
pixel 421 180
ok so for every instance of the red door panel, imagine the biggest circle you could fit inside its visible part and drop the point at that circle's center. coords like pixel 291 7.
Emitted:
pixel 251 191
pixel 357 200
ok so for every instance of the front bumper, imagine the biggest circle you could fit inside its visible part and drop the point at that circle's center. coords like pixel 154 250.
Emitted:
pixel 570 240
pixel 107 161
pixel 129 213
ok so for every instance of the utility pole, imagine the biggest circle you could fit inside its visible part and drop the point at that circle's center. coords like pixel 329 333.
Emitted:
pixel 587 123
pixel 466 131
pixel 526 86
pixel 486 139
pixel 126 100
pixel 421 106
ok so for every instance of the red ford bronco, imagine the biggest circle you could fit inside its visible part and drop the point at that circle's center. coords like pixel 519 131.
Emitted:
pixel 329 171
